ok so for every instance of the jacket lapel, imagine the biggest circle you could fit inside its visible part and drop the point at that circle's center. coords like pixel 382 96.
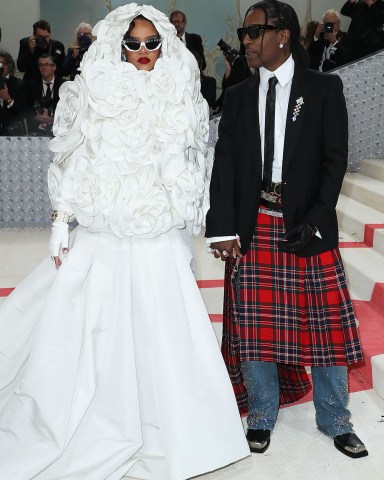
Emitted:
pixel 295 114
pixel 252 125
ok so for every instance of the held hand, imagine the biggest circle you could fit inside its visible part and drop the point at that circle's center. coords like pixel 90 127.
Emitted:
pixel 75 52
pixel 59 241
pixel 4 93
pixel 226 249
pixel 297 239
pixel 44 117
pixel 32 43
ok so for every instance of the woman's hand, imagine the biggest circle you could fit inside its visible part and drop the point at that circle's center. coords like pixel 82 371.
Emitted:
pixel 226 249
pixel 59 241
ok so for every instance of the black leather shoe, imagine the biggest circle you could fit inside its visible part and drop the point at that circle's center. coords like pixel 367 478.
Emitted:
pixel 351 445
pixel 258 440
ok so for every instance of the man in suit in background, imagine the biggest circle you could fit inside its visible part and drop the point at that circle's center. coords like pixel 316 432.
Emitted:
pixel 191 40
pixel 367 25
pixel 43 96
pixel 279 165
pixel 13 98
pixel 31 48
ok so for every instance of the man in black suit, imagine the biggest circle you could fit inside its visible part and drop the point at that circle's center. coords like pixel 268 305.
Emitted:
pixel 31 48
pixel 191 40
pixel 367 26
pixel 43 96
pixel 279 165
pixel 13 98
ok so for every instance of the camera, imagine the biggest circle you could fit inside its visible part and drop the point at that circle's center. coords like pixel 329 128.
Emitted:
pixel 41 103
pixel 41 42
pixel 328 27
pixel 229 52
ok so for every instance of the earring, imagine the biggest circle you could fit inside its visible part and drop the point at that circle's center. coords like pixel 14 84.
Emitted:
pixel 281 45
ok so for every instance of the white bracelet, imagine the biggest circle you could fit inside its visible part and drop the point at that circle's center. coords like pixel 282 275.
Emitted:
pixel 60 216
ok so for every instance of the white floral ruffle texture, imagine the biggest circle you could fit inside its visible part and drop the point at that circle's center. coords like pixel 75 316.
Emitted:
pixel 122 372
pixel 131 146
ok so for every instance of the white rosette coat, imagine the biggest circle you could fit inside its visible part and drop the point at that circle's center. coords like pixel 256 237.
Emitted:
pixel 109 366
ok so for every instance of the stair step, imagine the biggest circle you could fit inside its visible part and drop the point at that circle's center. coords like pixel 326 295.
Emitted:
pixel 353 216
pixel 371 321
pixel 373 168
pixel 377 363
pixel 364 268
pixel 366 190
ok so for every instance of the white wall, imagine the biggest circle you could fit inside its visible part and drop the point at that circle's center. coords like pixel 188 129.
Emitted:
pixel 17 18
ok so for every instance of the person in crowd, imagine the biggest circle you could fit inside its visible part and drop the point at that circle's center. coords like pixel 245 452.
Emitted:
pixel 123 374
pixel 272 218
pixel 366 28
pixel 310 33
pixel 43 96
pixel 83 40
pixel 208 84
pixel 235 72
pixel 331 47
pixel 31 48
pixel 13 99
pixel 193 41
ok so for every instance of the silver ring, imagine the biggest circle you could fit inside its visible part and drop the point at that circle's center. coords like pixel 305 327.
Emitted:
pixel 225 253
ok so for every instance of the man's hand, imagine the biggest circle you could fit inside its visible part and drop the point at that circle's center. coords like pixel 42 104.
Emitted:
pixel 369 2
pixel 226 249
pixel 297 239
pixel 44 118
pixel 4 93
pixel 32 43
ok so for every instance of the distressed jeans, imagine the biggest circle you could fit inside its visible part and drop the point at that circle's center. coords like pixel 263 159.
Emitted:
pixel 330 397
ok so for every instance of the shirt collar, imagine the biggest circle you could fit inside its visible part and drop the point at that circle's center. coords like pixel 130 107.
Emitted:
pixel 284 73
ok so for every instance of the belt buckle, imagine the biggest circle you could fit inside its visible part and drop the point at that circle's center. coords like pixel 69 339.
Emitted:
pixel 277 189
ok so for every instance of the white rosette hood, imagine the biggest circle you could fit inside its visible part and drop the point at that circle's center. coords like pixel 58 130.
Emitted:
pixel 131 146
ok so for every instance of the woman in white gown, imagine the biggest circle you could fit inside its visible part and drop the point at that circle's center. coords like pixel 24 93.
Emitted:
pixel 108 363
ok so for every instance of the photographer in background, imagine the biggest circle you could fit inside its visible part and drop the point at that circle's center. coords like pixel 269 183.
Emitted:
pixel 236 70
pixel 31 48
pixel 82 41
pixel 330 47
pixel 367 26
pixel 13 100
pixel 43 95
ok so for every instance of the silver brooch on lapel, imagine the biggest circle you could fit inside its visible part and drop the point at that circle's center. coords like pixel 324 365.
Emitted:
pixel 296 110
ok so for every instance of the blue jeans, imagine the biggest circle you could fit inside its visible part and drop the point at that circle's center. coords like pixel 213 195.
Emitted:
pixel 330 397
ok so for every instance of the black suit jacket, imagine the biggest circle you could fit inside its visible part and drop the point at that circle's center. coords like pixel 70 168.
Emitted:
pixel 27 61
pixel 194 43
pixel 35 92
pixel 9 116
pixel 366 27
pixel 314 160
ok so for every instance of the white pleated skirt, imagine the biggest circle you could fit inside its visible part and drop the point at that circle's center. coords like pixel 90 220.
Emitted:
pixel 110 367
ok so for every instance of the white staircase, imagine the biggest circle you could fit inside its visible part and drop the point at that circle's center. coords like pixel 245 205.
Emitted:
pixel 360 212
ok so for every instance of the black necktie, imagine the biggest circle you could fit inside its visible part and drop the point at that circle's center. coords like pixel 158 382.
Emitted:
pixel 48 92
pixel 269 134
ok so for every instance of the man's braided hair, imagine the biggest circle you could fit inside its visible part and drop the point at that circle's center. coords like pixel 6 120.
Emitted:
pixel 284 16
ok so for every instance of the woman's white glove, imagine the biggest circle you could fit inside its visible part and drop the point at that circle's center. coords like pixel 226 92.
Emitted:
pixel 59 241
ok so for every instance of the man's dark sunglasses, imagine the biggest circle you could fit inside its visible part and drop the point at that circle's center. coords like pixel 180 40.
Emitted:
pixel 253 31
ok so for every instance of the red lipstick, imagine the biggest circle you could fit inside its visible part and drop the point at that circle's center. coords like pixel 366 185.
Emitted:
pixel 143 60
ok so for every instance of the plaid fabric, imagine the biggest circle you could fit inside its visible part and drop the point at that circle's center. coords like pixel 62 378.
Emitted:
pixel 285 309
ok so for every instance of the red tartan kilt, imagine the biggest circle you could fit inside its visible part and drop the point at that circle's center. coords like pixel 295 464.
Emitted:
pixel 286 309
